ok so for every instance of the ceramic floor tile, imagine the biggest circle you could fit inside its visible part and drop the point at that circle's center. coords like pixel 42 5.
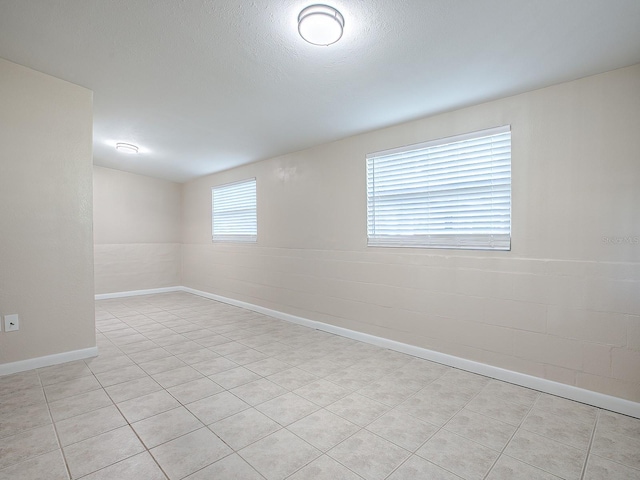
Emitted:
pixel 79 404
pixel 171 339
pixel 234 377
pixel 244 428
pixel 198 333
pixel 27 444
pixel 162 365
pixel 358 409
pixel 150 355
pixel 322 392
pixel 214 366
pixel 50 466
pixel 171 378
pixel 98 452
pixel 140 346
pixel 138 467
pixel 10 401
pixel 221 344
pixel 619 423
pixel 481 429
pixel 229 468
pixel 63 372
pixel 216 407
pixel 279 455
pixel 18 381
pixel 105 363
pixel 446 392
pixel 390 391
pixel 120 375
pixel 548 455
pixel 193 346
pixel 599 468
pixel 458 455
pixel 124 340
pixel 561 429
pixel 418 468
pixel 368 455
pixel 617 447
pixel 323 429
pixel 188 454
pixel 403 430
pixel 133 389
pixel 503 410
pixel 166 426
pixel 146 406
pixel 197 356
pixel 507 468
pixel 267 366
pixel 511 393
pixel 184 347
pixel 258 391
pixel 324 468
pixel 566 408
pixel 87 425
pixel 243 357
pixel 352 379
pixel 466 380
pixel 71 387
pixel 287 408
pixel 292 378
pixel 431 410
pixel 22 418
pixel 194 390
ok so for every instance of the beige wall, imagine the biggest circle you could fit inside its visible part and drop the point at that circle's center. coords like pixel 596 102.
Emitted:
pixel 46 247
pixel 562 305
pixel 136 231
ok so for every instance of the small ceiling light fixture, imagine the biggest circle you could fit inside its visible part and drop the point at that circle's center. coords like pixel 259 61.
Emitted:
pixel 320 24
pixel 127 148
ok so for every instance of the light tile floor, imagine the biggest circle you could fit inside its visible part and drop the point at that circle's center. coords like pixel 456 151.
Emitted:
pixel 186 387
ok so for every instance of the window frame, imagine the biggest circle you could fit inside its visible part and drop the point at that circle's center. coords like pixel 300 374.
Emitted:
pixel 497 240
pixel 237 236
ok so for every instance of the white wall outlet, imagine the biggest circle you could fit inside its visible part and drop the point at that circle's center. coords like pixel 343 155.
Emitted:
pixel 11 323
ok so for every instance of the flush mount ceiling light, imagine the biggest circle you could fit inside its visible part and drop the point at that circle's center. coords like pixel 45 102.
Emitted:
pixel 126 148
pixel 320 24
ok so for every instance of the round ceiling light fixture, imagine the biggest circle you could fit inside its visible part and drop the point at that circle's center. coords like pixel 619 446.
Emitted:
pixel 126 148
pixel 320 24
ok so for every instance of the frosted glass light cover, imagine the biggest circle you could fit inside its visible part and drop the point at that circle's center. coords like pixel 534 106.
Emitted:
pixel 320 24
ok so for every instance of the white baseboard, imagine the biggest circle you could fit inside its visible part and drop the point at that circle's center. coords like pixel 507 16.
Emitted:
pixel 47 360
pixel 582 395
pixel 134 293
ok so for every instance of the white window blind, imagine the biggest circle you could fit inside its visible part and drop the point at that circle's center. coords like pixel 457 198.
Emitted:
pixel 233 208
pixel 449 193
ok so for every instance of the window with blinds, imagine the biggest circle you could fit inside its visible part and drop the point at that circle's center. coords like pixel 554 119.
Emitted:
pixel 449 193
pixel 233 209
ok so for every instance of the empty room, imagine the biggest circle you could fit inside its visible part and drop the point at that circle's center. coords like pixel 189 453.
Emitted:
pixel 360 240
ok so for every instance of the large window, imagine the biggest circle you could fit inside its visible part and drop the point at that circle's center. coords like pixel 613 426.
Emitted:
pixel 233 208
pixel 449 193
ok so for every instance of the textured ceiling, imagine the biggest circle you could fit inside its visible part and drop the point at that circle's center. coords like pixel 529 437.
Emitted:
pixel 206 85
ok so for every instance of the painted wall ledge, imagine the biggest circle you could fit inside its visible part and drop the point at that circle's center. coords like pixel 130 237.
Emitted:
pixel 570 392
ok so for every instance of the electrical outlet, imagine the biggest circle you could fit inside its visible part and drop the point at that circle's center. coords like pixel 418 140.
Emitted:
pixel 11 323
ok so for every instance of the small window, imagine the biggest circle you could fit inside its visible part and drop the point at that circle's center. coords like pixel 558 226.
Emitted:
pixel 233 208
pixel 449 193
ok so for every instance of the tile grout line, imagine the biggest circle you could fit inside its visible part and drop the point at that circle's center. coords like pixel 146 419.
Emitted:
pixel 55 428
pixel 126 419
pixel 593 435
pixel 515 432
pixel 146 449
